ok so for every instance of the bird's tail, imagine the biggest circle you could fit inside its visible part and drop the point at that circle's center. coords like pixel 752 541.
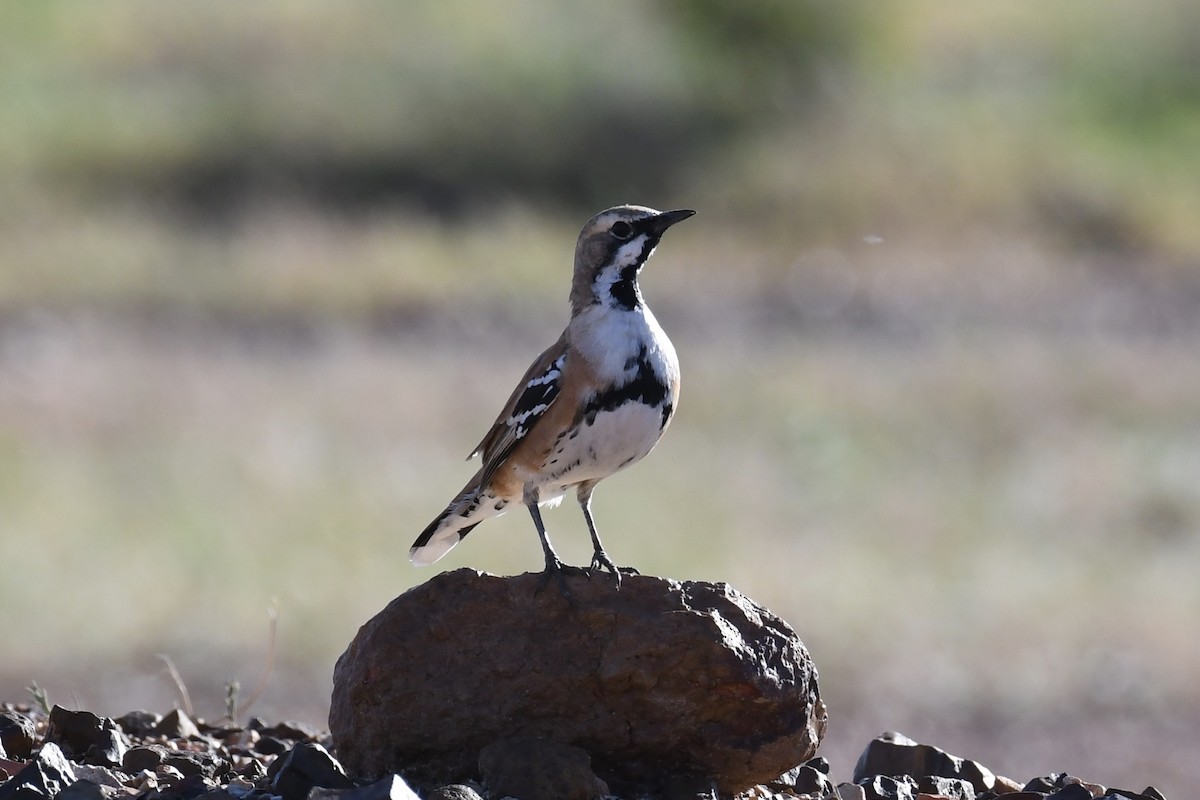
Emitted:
pixel 471 507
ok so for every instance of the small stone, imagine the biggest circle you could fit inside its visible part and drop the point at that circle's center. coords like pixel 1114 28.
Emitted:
pixel 254 771
pixel 270 746
pixel 884 787
pixel 47 775
pixel 306 766
pixel 146 756
pixel 392 787
pixel 950 788
pixel 139 724
pixel 786 781
pixel 850 791
pixel 1006 785
pixel 292 731
pixel 167 775
pixel 197 763
pixel 144 781
pixel 1054 784
pixel 87 737
pixel 895 754
pixel 759 792
pixel 216 730
pixel 1073 791
pixel 1049 783
pixel 811 777
pixel 455 791
pixel 16 735
pixel 539 769
pixel 101 776
pixel 239 787
pixel 177 725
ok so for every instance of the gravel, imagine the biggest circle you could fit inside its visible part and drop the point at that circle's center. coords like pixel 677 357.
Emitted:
pixel 76 755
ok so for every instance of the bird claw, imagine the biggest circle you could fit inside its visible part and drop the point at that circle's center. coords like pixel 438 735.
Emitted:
pixel 601 561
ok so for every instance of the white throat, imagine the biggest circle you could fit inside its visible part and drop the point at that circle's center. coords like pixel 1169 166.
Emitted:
pixel 611 338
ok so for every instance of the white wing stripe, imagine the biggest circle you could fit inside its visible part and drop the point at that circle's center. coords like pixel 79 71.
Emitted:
pixel 538 395
pixel 550 375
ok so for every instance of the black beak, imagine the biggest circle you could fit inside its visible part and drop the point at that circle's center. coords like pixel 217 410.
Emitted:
pixel 657 224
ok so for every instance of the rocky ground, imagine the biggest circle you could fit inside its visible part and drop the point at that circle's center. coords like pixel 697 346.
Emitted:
pixel 481 687
pixel 76 755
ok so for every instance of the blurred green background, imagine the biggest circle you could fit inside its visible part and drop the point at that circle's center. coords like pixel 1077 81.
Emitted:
pixel 267 271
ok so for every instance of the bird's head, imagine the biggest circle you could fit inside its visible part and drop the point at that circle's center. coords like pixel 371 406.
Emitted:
pixel 612 248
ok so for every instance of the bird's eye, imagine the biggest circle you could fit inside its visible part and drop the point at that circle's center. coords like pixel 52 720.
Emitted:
pixel 621 230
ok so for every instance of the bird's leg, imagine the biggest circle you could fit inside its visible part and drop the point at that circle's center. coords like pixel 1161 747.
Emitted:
pixel 555 568
pixel 600 559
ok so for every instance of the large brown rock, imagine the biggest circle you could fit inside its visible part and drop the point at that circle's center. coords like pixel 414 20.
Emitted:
pixel 658 679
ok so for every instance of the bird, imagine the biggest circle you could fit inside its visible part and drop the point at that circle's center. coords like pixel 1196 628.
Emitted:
pixel 596 401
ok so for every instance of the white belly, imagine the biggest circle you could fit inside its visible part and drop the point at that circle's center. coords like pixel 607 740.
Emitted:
pixel 616 439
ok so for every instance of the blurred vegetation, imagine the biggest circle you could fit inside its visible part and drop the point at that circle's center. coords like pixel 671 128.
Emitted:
pixel 1078 124
pixel 445 106
pixel 267 268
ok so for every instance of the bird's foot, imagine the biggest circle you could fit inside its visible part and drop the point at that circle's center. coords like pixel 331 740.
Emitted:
pixel 558 571
pixel 600 560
